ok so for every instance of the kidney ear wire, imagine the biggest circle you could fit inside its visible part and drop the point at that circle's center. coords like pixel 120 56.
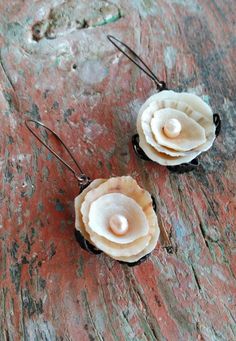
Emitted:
pixel 131 55
pixel 83 179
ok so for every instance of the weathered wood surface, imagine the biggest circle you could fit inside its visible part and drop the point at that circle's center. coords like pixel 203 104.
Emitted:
pixel 57 66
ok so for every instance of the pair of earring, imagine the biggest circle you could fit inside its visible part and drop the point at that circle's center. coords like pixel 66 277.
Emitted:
pixel 116 216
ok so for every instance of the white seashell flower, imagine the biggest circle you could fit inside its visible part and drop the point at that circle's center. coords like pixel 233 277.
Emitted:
pixel 117 216
pixel 174 128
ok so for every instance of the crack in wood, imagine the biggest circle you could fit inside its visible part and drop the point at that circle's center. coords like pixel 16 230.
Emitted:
pixel 22 319
pixel 108 315
pixel 7 336
pixel 85 299
pixel 15 273
pixel 196 278
pixel 30 304
pixel 13 100
pixel 204 235
pixel 154 328
pixel 231 315
pixel 210 203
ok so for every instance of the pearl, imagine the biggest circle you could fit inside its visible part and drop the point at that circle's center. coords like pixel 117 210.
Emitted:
pixel 118 224
pixel 172 128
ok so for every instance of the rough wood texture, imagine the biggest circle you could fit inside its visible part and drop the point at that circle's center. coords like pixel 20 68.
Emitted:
pixel 58 66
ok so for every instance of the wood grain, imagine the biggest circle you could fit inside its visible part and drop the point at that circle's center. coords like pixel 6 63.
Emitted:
pixel 56 65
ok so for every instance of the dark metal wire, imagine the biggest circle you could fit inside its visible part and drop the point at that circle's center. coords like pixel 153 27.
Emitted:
pixel 161 85
pixel 217 122
pixel 82 178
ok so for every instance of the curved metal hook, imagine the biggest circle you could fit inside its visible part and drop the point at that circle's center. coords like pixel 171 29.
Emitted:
pixel 161 85
pixel 82 178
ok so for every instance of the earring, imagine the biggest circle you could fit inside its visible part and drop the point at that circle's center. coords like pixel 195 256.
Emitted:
pixel 115 216
pixel 174 128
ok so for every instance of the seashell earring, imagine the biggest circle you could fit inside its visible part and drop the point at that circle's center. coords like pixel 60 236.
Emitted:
pixel 173 127
pixel 114 216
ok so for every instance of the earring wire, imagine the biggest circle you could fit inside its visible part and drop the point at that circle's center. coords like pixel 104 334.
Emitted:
pixel 82 178
pixel 131 55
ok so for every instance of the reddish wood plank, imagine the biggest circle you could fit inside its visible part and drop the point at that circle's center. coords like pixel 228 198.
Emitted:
pixel 79 85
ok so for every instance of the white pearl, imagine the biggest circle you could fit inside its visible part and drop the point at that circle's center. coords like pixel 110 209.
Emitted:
pixel 118 224
pixel 172 128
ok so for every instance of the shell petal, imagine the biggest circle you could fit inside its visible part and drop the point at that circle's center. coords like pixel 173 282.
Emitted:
pixel 79 224
pixel 120 250
pixel 154 232
pixel 125 185
pixel 196 103
pixel 105 206
pixel 191 136
pixel 146 121
pixel 205 117
pixel 162 158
